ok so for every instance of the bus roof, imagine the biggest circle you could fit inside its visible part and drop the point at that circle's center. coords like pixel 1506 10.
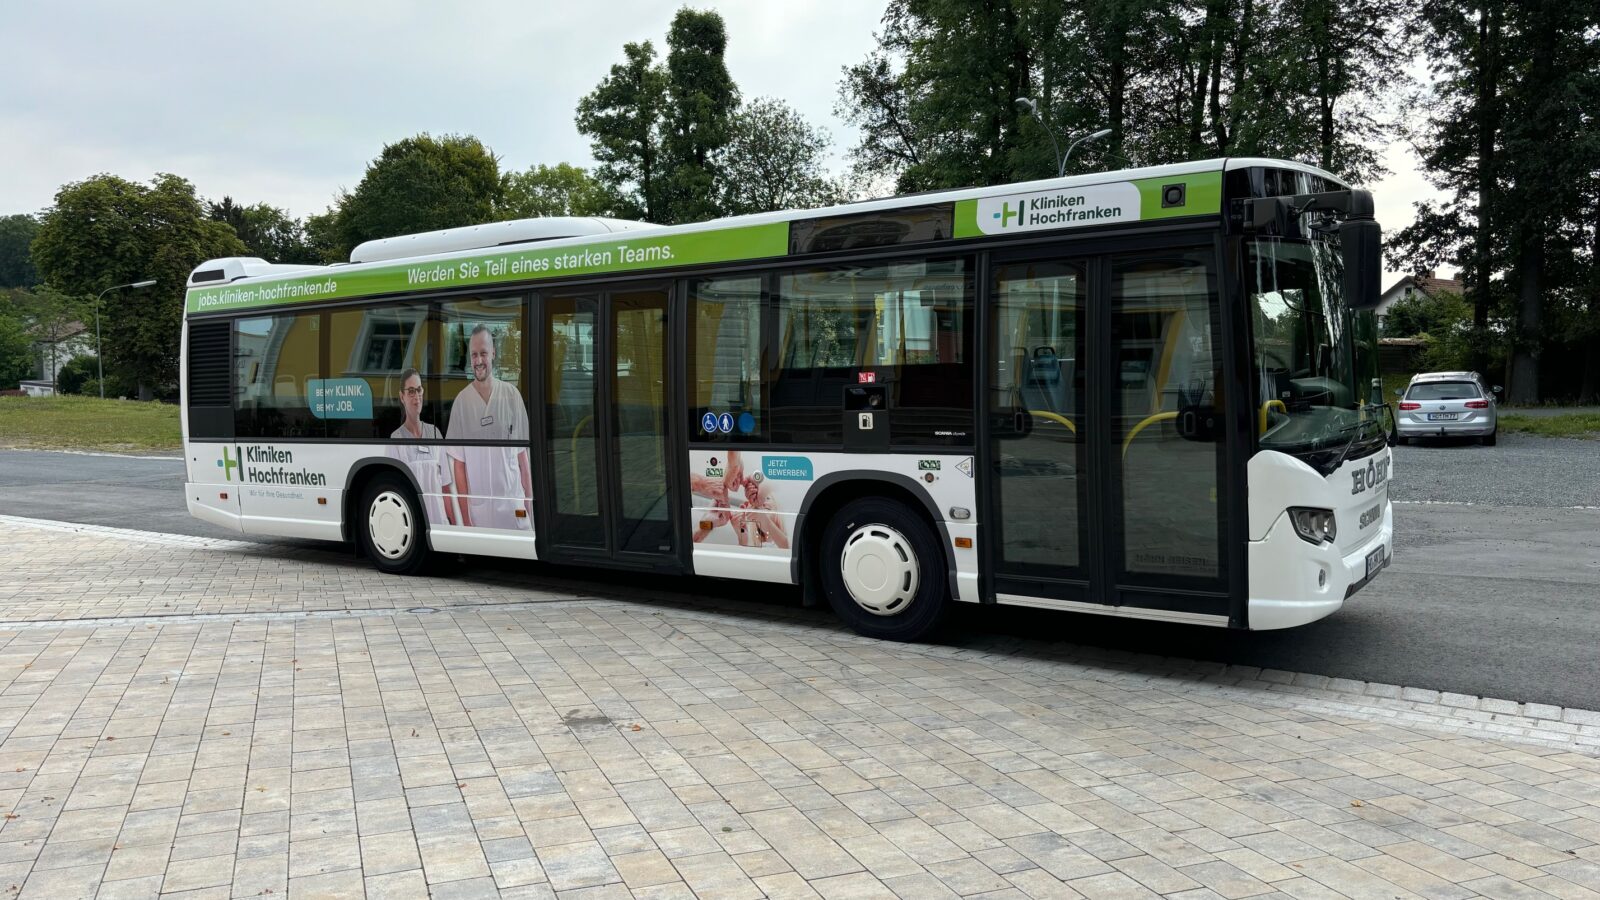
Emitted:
pixel 454 258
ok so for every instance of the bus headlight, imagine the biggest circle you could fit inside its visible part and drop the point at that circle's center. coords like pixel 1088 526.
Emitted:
pixel 1313 525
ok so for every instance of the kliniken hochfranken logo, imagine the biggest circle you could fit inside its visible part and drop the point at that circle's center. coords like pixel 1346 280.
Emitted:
pixel 227 464
pixel 1006 213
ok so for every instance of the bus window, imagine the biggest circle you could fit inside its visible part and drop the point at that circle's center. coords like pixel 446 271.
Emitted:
pixel 1037 399
pixel 481 345
pixel 725 363
pixel 905 325
pixel 277 365
pixel 1168 416
pixel 370 350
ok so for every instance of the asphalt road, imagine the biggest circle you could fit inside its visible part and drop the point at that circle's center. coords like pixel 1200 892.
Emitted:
pixel 1494 591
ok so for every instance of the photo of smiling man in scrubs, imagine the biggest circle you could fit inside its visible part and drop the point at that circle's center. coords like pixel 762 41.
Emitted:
pixel 491 483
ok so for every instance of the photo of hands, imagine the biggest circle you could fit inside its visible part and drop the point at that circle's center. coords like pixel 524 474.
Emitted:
pixel 744 507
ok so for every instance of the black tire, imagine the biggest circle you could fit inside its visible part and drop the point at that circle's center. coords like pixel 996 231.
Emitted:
pixel 1489 439
pixel 402 515
pixel 1400 440
pixel 905 538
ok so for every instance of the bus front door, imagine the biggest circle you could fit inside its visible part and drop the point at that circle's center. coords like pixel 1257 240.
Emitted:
pixel 1040 550
pixel 604 429
pixel 1106 471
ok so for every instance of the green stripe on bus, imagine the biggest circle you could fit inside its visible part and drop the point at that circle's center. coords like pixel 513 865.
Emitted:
pixel 1203 196
pixel 619 252
pixel 1100 205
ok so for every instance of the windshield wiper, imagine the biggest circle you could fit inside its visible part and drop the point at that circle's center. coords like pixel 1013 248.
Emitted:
pixel 1355 429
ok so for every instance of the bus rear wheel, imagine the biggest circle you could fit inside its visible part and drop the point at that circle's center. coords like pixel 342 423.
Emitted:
pixel 391 528
pixel 882 570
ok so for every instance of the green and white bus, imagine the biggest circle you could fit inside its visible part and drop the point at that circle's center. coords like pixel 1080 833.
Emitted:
pixel 1149 393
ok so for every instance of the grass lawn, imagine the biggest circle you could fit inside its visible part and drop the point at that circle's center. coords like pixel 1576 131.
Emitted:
pixel 1578 425
pixel 88 423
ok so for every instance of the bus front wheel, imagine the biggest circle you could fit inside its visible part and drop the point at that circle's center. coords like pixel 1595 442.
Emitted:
pixel 391 527
pixel 882 570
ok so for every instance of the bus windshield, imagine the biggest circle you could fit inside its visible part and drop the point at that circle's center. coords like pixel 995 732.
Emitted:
pixel 1315 360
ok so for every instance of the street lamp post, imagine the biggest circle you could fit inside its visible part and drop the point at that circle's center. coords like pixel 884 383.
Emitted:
pixel 1031 107
pixel 99 359
pixel 1090 136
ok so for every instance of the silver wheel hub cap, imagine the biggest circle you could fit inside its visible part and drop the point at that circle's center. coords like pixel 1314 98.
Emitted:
pixel 390 524
pixel 880 570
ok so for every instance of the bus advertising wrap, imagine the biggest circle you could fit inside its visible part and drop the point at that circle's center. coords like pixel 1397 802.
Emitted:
pixel 622 252
pixel 1191 194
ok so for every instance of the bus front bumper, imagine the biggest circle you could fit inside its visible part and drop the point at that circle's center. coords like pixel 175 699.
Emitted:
pixel 215 503
pixel 1294 583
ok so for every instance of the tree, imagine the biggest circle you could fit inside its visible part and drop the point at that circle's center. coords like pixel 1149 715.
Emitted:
pixel 16 265
pixel 1170 79
pixel 656 130
pixel 418 184
pixel 699 114
pixel 773 160
pixel 558 190
pixel 873 98
pixel 50 317
pixel 622 118
pixel 1353 51
pixel 267 231
pixel 1506 132
pixel 16 349
pixel 1546 127
pixel 950 111
pixel 105 231
pixel 1424 315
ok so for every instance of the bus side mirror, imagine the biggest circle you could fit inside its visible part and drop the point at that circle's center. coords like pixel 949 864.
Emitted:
pixel 1361 241
pixel 1399 392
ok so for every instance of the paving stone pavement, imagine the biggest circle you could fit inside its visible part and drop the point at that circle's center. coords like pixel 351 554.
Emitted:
pixel 177 721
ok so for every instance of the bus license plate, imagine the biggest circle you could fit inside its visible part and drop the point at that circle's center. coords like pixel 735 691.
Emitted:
pixel 1374 562
pixel 1435 417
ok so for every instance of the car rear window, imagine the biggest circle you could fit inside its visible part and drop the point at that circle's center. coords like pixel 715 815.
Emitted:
pixel 1444 390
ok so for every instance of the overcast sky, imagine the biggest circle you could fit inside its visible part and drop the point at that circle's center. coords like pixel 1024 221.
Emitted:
pixel 287 102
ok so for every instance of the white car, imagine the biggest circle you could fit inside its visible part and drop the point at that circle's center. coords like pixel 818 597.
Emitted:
pixel 1447 404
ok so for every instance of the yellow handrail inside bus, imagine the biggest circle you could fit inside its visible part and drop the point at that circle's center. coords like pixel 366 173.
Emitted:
pixel 577 431
pixel 1271 404
pixel 1148 421
pixel 1054 417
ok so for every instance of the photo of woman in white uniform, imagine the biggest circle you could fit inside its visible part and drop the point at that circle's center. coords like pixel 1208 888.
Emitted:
pixel 491 483
pixel 428 464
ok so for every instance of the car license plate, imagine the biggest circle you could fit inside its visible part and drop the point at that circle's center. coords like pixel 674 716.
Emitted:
pixel 1436 417
pixel 1374 562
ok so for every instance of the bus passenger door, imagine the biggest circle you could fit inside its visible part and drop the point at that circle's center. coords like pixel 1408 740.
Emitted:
pixel 1040 552
pixel 1165 435
pixel 1106 471
pixel 604 482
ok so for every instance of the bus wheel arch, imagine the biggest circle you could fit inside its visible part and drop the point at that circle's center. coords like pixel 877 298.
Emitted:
pixel 895 518
pixel 370 479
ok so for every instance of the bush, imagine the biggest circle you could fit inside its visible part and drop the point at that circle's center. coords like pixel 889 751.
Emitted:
pixel 72 376
pixel 116 388
pixel 81 377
